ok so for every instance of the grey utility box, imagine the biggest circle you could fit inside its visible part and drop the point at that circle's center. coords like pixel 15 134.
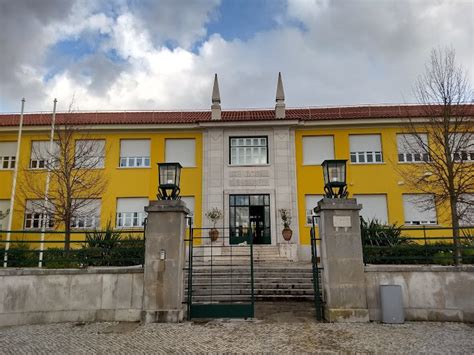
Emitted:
pixel 391 304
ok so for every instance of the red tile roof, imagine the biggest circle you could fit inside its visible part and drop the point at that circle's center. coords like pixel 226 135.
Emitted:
pixel 190 117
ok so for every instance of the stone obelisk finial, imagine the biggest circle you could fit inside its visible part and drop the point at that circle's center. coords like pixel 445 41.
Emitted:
pixel 280 99
pixel 216 101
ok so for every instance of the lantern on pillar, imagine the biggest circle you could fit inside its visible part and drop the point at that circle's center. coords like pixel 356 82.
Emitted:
pixel 334 172
pixel 168 181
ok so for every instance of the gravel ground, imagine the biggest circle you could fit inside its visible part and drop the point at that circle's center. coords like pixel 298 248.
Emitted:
pixel 224 336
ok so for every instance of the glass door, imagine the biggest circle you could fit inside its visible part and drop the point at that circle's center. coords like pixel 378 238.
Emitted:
pixel 249 218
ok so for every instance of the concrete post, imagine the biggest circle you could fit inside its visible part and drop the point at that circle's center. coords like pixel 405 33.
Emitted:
pixel 163 289
pixel 341 255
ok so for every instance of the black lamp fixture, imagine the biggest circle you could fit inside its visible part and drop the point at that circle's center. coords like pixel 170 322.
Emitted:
pixel 334 172
pixel 168 181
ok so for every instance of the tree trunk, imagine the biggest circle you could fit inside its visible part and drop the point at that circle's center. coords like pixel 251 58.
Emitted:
pixel 455 226
pixel 67 233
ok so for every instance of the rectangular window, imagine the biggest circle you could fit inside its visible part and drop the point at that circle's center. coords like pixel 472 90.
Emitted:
pixel 131 211
pixel 419 209
pixel 365 149
pixel 462 146
pixel 90 154
pixel 41 157
pixel 248 150
pixel 36 216
pixel 86 213
pixel 181 151
pixel 465 209
pixel 7 155
pixel 412 148
pixel 135 153
pixel 4 212
pixel 311 201
pixel 317 149
pixel 373 207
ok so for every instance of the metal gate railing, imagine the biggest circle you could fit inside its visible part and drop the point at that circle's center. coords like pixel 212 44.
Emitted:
pixel 317 273
pixel 220 281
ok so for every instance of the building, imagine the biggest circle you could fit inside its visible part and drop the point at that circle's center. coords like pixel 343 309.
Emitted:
pixel 248 163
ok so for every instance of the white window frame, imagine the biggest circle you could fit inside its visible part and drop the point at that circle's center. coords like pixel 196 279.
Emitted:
pixel 467 218
pixel 5 209
pixel 7 155
pixel 238 145
pixel 422 222
pixel 362 157
pixel 34 218
pixel 130 219
pixel 7 162
pixel 308 155
pixel 41 163
pixel 412 157
pixel 88 220
pixel 139 161
pixel 97 161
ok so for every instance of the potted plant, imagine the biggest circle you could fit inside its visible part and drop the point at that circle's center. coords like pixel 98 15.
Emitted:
pixel 285 216
pixel 214 215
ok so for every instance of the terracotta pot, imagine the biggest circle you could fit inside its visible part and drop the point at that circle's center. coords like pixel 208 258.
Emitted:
pixel 287 234
pixel 214 234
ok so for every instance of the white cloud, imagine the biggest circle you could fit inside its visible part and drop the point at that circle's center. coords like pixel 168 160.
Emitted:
pixel 348 53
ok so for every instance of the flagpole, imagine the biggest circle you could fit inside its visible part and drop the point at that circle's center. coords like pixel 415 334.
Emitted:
pixel 46 189
pixel 15 174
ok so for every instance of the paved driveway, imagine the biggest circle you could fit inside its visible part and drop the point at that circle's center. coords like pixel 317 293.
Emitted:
pixel 303 336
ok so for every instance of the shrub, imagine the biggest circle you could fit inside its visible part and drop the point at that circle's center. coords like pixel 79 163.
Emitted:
pixel 20 255
pixel 375 233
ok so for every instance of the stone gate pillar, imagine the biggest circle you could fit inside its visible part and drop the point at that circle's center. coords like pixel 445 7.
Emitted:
pixel 341 256
pixel 163 290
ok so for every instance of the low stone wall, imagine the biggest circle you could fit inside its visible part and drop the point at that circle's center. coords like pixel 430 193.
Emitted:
pixel 33 296
pixel 430 292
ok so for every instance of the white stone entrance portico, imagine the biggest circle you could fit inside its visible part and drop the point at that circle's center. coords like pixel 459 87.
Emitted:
pixel 276 177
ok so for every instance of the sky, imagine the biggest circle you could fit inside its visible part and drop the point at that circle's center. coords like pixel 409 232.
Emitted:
pixel 162 54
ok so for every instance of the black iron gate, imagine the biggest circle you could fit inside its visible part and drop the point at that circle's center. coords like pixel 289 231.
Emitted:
pixel 317 273
pixel 219 275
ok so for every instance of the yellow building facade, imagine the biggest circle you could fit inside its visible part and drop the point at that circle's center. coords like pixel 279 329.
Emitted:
pixel 271 156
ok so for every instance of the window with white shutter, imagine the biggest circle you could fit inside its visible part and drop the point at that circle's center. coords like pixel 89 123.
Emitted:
pixel 465 209
pixel 462 146
pixel 181 151
pixel 4 212
pixel 135 153
pixel 131 211
pixel 7 155
pixel 419 209
pixel 373 207
pixel 311 201
pixel 36 215
pixel 90 153
pixel 86 213
pixel 365 149
pixel 317 149
pixel 412 148
pixel 41 156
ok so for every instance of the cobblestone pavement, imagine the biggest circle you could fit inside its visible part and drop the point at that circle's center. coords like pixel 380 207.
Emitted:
pixel 236 337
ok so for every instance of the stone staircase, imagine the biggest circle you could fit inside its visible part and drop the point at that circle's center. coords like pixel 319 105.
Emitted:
pixel 273 280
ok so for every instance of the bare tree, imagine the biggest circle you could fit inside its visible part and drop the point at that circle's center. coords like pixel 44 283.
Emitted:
pixel 76 180
pixel 442 139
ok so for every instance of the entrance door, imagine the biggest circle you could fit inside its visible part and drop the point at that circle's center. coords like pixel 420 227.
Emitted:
pixel 249 219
